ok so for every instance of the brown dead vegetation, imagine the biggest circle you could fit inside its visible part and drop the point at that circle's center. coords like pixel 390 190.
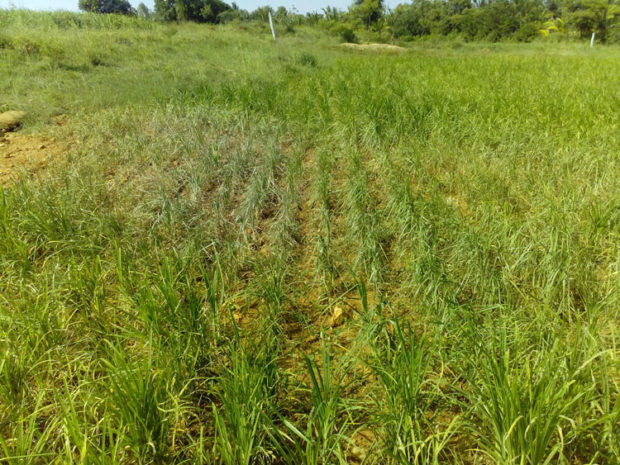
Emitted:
pixel 376 48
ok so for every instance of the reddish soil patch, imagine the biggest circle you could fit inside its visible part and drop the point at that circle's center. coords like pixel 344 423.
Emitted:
pixel 27 153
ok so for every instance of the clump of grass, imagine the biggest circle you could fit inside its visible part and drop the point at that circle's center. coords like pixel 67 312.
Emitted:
pixel 325 266
pixel 307 59
pixel 525 403
pixel 143 404
pixel 407 404
pixel 364 223
pixel 26 442
pixel 245 404
pixel 328 423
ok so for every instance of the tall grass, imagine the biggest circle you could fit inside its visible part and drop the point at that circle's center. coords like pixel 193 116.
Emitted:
pixel 528 407
pixel 401 363
pixel 177 287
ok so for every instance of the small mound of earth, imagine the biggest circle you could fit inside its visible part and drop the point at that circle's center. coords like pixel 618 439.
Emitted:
pixel 381 48
pixel 10 120
pixel 26 152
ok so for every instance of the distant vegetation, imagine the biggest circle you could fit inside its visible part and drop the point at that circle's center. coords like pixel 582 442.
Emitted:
pixel 107 6
pixel 491 20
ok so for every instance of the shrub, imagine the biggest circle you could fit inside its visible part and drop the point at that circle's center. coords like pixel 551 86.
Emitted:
pixel 527 32
pixel 346 33
pixel 307 59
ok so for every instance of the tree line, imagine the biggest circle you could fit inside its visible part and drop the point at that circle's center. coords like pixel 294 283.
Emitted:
pixel 492 20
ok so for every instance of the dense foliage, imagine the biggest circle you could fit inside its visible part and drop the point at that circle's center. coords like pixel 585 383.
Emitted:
pixel 201 11
pixel 490 20
pixel 493 20
pixel 107 6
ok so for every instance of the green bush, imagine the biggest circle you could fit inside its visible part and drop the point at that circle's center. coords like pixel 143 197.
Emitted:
pixel 527 32
pixel 5 41
pixel 307 59
pixel 346 33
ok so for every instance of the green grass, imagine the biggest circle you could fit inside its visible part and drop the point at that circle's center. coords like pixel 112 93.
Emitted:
pixel 166 288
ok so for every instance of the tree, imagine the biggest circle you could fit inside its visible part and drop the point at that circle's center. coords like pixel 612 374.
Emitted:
pixel 590 16
pixel 201 11
pixel 143 11
pixel 406 21
pixel 424 17
pixel 333 14
pixel 369 12
pixel 261 13
pixel 498 19
pixel 234 14
pixel 107 6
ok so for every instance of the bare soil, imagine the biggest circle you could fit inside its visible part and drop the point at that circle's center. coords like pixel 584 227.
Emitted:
pixel 29 154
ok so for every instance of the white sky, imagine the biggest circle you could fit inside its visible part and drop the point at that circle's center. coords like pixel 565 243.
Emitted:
pixel 302 6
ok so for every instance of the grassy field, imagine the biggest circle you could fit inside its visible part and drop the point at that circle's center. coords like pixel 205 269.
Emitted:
pixel 293 253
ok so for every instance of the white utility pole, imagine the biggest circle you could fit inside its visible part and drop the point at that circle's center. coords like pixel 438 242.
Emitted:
pixel 273 29
pixel 592 39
